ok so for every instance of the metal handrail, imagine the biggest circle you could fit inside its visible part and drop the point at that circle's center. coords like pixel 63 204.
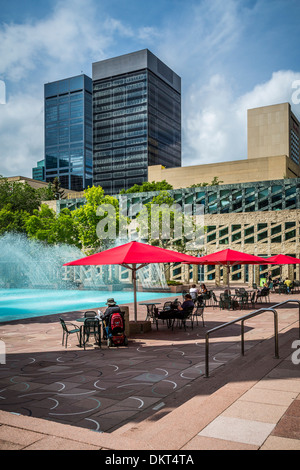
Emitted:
pixel 289 301
pixel 242 319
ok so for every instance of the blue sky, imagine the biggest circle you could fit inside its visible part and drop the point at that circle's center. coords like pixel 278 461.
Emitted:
pixel 231 55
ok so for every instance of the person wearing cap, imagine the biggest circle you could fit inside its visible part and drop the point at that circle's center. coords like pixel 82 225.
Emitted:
pixel 112 307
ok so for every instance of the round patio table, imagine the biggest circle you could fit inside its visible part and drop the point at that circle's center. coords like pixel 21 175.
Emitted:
pixel 82 320
pixel 150 308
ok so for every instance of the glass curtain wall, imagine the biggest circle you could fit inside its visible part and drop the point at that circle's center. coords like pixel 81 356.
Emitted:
pixel 68 132
pixel 120 132
pixel 137 122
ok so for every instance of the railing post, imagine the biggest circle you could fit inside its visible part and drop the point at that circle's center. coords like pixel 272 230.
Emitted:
pixel 206 356
pixel 276 334
pixel 243 337
pixel 299 316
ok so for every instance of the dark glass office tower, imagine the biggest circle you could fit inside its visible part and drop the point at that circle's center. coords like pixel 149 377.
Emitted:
pixel 136 119
pixel 68 132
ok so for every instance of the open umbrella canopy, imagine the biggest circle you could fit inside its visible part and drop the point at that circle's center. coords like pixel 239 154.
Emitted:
pixel 282 259
pixel 230 257
pixel 133 255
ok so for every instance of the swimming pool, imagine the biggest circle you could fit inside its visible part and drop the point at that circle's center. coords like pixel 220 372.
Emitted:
pixel 16 304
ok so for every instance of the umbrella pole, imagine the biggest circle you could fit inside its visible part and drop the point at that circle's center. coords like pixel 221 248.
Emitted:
pixel 134 269
pixel 134 291
pixel 228 274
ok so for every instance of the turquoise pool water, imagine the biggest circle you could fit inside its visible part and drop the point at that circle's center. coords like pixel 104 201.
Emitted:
pixel 16 304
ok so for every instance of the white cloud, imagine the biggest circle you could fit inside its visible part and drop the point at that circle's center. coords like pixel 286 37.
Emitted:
pixel 70 35
pixel 21 124
pixel 215 123
pixel 62 44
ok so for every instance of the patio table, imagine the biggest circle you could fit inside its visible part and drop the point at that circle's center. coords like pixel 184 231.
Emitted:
pixel 82 320
pixel 150 308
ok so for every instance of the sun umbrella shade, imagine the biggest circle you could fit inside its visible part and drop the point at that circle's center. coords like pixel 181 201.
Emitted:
pixel 230 257
pixel 133 255
pixel 282 259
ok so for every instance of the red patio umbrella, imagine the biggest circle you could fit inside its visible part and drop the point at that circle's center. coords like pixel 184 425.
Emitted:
pixel 133 255
pixel 229 258
pixel 282 259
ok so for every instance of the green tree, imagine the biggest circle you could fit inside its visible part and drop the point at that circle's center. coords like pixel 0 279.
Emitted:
pixel 57 191
pixel 12 221
pixel 20 196
pixel 47 193
pixel 215 182
pixel 87 218
pixel 160 220
pixel 148 187
pixel 163 222
pixel 45 225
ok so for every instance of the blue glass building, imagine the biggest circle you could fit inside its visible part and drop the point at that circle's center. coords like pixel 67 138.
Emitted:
pixel 69 132
pixel 38 172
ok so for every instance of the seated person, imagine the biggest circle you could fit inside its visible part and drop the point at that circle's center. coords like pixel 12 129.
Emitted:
pixel 203 291
pixel 178 311
pixel 112 307
pixel 263 291
pixel 187 304
pixel 194 292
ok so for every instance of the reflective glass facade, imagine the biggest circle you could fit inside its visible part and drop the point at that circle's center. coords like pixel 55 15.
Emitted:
pixel 38 173
pixel 237 198
pixel 68 132
pixel 137 122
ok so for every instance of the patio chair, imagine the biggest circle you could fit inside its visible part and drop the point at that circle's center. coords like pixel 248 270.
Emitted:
pixel 151 309
pixel 282 289
pixel 91 327
pixel 69 331
pixel 225 301
pixel 164 315
pixel 263 294
pixel 252 299
pixel 243 299
pixel 183 317
pixel 206 297
pixel 254 286
pixel 90 314
pixel 167 305
pixel 296 286
pixel 214 301
pixel 199 312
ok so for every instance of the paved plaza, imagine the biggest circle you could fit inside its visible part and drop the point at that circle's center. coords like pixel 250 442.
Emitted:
pixel 153 394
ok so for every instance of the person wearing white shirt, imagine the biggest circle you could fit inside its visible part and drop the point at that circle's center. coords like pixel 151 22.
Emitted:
pixel 194 292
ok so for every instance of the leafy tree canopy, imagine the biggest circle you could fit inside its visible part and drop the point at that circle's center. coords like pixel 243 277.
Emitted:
pixel 148 187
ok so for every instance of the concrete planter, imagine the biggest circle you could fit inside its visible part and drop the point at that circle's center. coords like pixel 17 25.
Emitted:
pixel 176 289
pixel 139 327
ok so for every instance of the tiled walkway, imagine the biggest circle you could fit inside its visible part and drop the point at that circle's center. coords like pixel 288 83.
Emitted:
pixel 153 394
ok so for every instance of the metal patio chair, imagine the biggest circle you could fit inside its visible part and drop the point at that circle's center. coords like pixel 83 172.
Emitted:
pixel 199 312
pixel 67 331
pixel 91 327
